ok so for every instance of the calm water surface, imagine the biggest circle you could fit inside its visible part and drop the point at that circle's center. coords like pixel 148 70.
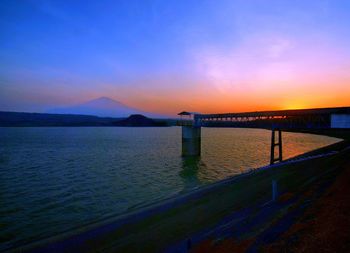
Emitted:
pixel 54 179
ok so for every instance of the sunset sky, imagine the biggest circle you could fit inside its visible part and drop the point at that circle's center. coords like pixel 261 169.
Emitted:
pixel 166 56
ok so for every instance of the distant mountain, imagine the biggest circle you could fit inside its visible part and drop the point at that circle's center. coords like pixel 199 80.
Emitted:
pixel 103 107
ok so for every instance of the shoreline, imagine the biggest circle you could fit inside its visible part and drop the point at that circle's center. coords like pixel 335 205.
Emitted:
pixel 90 232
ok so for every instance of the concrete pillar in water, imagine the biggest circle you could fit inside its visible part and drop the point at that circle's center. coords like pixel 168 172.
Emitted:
pixel 191 141
pixel 274 144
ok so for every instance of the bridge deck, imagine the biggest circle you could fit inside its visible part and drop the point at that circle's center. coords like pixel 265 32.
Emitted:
pixel 279 113
pixel 287 119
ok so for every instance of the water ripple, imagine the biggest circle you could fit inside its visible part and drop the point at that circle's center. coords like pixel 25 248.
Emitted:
pixel 54 179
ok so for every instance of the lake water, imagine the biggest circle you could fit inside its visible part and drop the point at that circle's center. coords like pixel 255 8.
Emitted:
pixel 54 179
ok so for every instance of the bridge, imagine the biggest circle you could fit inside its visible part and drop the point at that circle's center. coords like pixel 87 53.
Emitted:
pixel 335 118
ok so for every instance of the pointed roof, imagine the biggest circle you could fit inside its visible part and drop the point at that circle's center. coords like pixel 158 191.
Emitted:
pixel 185 113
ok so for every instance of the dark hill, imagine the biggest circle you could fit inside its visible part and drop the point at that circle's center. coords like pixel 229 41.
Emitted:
pixel 139 120
pixel 23 119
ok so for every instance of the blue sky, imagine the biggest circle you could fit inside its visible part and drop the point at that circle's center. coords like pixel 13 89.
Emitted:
pixel 166 56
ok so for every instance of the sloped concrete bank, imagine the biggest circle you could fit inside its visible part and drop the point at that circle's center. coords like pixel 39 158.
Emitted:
pixel 315 218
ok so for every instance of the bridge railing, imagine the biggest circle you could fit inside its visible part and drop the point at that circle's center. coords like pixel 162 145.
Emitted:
pixel 286 122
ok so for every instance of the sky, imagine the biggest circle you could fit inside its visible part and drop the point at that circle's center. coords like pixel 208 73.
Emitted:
pixel 166 56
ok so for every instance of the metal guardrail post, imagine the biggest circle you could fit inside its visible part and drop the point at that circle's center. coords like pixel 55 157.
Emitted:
pixel 274 190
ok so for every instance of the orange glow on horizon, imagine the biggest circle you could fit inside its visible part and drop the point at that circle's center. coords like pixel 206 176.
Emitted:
pixel 207 99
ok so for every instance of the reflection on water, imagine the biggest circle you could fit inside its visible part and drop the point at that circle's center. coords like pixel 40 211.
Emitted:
pixel 54 179
pixel 189 173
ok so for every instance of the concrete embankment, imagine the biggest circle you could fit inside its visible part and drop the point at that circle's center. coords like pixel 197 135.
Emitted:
pixel 184 222
pixel 315 218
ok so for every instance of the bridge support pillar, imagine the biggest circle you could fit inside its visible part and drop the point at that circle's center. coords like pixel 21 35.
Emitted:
pixel 191 141
pixel 274 144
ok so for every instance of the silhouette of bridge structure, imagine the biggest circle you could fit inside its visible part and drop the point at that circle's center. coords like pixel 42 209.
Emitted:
pixel 282 120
